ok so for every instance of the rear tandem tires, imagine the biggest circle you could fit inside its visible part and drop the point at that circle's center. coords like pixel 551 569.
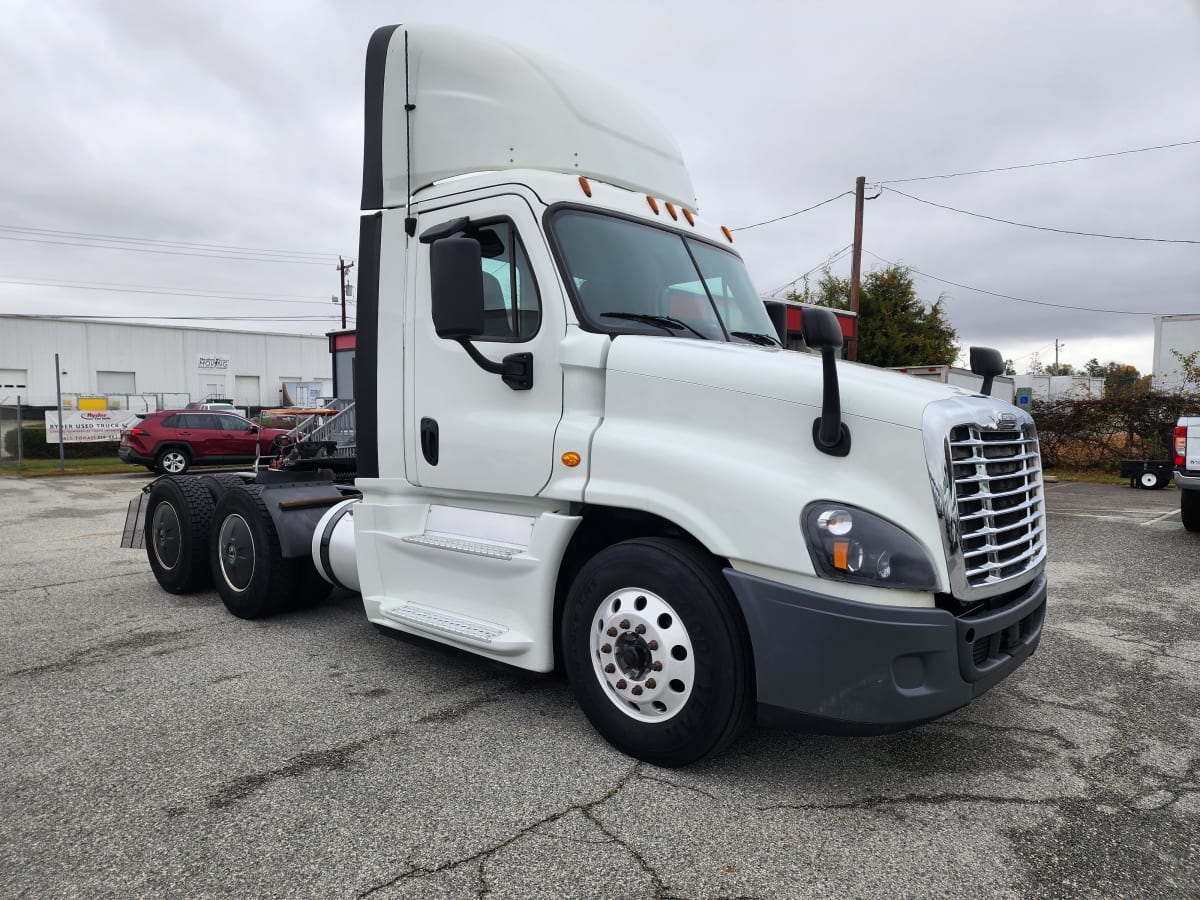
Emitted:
pixel 1189 509
pixel 248 569
pixel 177 533
pixel 656 651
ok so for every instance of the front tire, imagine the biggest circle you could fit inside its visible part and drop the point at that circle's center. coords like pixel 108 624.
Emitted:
pixel 172 461
pixel 248 568
pixel 178 520
pixel 1189 509
pixel 656 651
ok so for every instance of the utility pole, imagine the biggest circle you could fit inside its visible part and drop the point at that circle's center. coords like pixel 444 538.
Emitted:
pixel 62 449
pixel 343 267
pixel 856 262
pixel 1057 345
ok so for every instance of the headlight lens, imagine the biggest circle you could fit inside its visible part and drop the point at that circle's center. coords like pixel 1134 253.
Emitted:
pixel 848 544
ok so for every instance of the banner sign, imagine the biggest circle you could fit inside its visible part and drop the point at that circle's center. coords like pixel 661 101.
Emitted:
pixel 83 426
pixel 210 362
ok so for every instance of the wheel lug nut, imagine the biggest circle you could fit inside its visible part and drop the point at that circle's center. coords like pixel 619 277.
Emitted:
pixel 607 648
pixel 656 666
pixel 637 690
pixel 610 668
pixel 641 629
pixel 651 683
pixel 624 624
pixel 652 645
pixel 621 685
pixel 612 632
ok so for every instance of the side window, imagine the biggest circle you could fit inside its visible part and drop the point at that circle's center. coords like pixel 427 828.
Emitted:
pixel 232 423
pixel 171 422
pixel 200 422
pixel 511 308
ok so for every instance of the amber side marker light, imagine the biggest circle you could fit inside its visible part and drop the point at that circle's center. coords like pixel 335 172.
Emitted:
pixel 653 203
pixel 687 214
pixel 728 234
pixel 571 459
pixel 586 185
pixel 671 210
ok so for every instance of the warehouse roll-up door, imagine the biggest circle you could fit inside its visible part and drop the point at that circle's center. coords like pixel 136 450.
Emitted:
pixel 13 378
pixel 115 383
pixel 246 390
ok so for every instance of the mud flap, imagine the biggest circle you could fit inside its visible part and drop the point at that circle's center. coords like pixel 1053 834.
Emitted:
pixel 133 537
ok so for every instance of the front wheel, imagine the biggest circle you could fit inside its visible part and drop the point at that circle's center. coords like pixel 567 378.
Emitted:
pixel 656 651
pixel 1189 509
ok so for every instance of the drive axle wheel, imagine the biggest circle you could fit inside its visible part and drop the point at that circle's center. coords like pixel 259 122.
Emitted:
pixel 248 568
pixel 177 529
pixel 657 652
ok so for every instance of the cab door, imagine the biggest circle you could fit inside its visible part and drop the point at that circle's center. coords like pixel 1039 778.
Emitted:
pixel 467 429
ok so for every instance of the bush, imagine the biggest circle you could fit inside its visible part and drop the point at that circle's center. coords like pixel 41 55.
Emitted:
pixel 1099 432
pixel 33 438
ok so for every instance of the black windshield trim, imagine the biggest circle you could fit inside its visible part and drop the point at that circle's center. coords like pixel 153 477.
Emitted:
pixel 587 323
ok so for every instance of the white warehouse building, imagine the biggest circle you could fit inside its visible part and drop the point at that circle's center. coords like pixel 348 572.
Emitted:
pixel 99 359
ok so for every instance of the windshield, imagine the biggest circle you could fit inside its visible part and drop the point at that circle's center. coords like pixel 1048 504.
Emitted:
pixel 630 277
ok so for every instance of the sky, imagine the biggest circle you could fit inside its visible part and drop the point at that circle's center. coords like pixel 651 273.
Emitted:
pixel 238 126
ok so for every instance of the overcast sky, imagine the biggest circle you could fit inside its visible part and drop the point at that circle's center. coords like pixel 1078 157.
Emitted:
pixel 239 124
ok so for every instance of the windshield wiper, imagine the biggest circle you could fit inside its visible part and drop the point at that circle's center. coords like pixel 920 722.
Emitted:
pixel 666 323
pixel 763 340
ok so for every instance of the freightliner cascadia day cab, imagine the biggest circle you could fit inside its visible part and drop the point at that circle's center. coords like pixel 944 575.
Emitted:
pixel 579 444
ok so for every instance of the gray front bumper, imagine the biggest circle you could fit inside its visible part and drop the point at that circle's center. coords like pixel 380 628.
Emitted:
pixel 843 666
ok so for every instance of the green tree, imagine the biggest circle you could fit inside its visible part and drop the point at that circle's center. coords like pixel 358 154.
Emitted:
pixel 1189 368
pixel 895 327
pixel 1060 369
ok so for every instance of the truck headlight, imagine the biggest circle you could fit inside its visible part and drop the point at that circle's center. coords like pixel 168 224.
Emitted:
pixel 849 544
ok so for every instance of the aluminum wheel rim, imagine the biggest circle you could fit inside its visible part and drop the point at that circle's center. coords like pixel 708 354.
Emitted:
pixel 164 535
pixel 174 462
pixel 235 544
pixel 642 655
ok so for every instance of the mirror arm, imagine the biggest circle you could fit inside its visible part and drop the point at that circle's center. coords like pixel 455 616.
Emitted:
pixel 515 370
pixel 830 433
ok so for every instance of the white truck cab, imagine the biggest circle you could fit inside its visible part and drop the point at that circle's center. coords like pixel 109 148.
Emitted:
pixel 579 442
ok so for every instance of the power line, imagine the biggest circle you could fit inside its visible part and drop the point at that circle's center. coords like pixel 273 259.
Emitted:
pixel 51 232
pixel 791 214
pixel 1115 312
pixel 245 258
pixel 828 261
pixel 164 291
pixel 313 319
pixel 1052 162
pixel 1115 237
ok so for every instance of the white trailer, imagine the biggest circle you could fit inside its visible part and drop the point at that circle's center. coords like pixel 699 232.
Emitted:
pixel 1002 386
pixel 579 440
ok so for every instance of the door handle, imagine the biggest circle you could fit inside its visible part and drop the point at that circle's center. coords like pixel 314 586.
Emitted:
pixel 429 440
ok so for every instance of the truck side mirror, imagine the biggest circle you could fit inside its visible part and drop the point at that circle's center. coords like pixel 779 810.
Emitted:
pixel 822 332
pixel 456 285
pixel 777 312
pixel 988 362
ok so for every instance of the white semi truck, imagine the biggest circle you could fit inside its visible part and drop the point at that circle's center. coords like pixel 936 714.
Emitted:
pixel 580 444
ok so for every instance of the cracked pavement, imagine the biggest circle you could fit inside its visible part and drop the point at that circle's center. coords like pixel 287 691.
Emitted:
pixel 154 745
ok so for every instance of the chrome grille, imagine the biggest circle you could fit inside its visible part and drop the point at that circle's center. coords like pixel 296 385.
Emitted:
pixel 997 483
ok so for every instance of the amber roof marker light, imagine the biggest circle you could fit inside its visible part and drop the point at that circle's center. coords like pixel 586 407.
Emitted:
pixel 728 234
pixel 687 214
pixel 653 203
pixel 671 209
pixel 586 185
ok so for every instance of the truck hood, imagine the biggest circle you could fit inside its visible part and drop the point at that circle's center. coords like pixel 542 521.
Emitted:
pixel 778 374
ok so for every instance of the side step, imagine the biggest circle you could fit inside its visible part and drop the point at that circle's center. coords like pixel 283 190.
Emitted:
pixel 475 532
pixel 419 617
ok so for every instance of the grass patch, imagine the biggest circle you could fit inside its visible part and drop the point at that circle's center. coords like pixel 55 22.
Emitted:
pixel 35 468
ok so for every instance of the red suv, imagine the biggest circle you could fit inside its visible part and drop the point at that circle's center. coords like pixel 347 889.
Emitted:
pixel 170 441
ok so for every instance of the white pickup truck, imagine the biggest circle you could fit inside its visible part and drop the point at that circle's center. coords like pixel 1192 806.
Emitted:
pixel 579 442
pixel 1187 470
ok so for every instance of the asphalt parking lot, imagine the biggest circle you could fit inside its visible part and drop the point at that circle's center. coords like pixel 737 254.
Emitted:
pixel 153 745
